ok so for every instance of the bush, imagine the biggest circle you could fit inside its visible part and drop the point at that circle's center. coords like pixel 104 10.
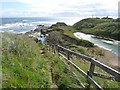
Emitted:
pixel 85 43
pixel 61 24
pixel 81 50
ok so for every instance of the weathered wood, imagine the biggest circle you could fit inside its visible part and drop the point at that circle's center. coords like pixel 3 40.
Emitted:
pixel 108 69
pixel 104 67
pixel 75 76
pixel 75 53
pixel 98 87
pixel 115 74
pixel 68 55
pixel 91 70
pixel 103 76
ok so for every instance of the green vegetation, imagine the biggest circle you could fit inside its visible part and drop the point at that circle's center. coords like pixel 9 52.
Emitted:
pixel 85 43
pixel 61 24
pixel 105 27
pixel 25 66
pixel 68 31
pixel 81 50
pixel 22 64
pixel 89 23
pixel 58 24
pixel 105 83
pixel 61 76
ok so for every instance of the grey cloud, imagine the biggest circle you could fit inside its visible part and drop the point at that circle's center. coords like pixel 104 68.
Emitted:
pixel 83 9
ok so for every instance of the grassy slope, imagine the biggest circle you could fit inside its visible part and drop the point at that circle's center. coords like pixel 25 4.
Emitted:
pixel 60 74
pixel 69 30
pixel 100 27
pixel 85 65
pixel 24 67
pixel 22 64
pixel 105 83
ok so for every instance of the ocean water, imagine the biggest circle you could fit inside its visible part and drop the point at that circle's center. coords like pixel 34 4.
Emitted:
pixel 114 47
pixel 22 25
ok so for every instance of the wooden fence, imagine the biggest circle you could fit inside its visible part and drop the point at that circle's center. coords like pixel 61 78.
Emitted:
pixel 115 75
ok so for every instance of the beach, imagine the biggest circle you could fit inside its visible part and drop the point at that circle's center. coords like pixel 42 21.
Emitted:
pixel 109 58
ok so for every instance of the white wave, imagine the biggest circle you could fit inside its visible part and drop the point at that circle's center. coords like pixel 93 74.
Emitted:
pixel 84 36
pixel 103 47
pixel 11 30
pixel 20 24
pixel 25 20
pixel 117 43
pixel 44 22
pixel 22 32
pixel 108 42
pixel 2 31
pixel 1 27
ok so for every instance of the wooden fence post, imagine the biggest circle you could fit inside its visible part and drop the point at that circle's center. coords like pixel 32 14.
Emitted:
pixel 90 72
pixel 57 48
pixel 68 55
pixel 54 49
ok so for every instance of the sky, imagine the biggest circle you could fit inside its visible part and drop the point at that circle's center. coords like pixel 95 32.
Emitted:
pixel 72 9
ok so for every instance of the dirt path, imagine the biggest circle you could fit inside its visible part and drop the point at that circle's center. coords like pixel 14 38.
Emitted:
pixel 53 85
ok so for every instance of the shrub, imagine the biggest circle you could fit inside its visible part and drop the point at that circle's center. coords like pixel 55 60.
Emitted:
pixel 61 24
pixel 81 50
pixel 85 43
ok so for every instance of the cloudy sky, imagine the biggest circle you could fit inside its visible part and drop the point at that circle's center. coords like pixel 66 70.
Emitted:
pixel 72 9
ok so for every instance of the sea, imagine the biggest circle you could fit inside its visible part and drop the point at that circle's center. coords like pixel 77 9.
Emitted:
pixel 24 24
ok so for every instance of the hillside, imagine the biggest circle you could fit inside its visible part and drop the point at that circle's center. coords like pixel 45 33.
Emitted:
pixel 27 64
pixel 104 27
pixel 66 34
pixel 22 64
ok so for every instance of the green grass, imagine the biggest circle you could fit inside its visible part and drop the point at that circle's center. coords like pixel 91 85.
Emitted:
pixel 89 23
pixel 22 64
pixel 69 30
pixel 105 83
pixel 108 28
pixel 60 74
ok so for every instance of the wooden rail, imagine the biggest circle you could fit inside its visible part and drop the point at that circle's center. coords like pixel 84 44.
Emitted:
pixel 115 74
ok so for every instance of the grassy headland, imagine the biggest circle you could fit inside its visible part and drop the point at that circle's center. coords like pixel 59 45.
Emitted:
pixel 104 27
pixel 67 34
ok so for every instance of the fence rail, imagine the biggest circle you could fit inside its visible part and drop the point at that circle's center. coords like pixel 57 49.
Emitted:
pixel 115 75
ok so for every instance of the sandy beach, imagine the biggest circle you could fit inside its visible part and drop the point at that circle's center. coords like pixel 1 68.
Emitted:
pixel 109 58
